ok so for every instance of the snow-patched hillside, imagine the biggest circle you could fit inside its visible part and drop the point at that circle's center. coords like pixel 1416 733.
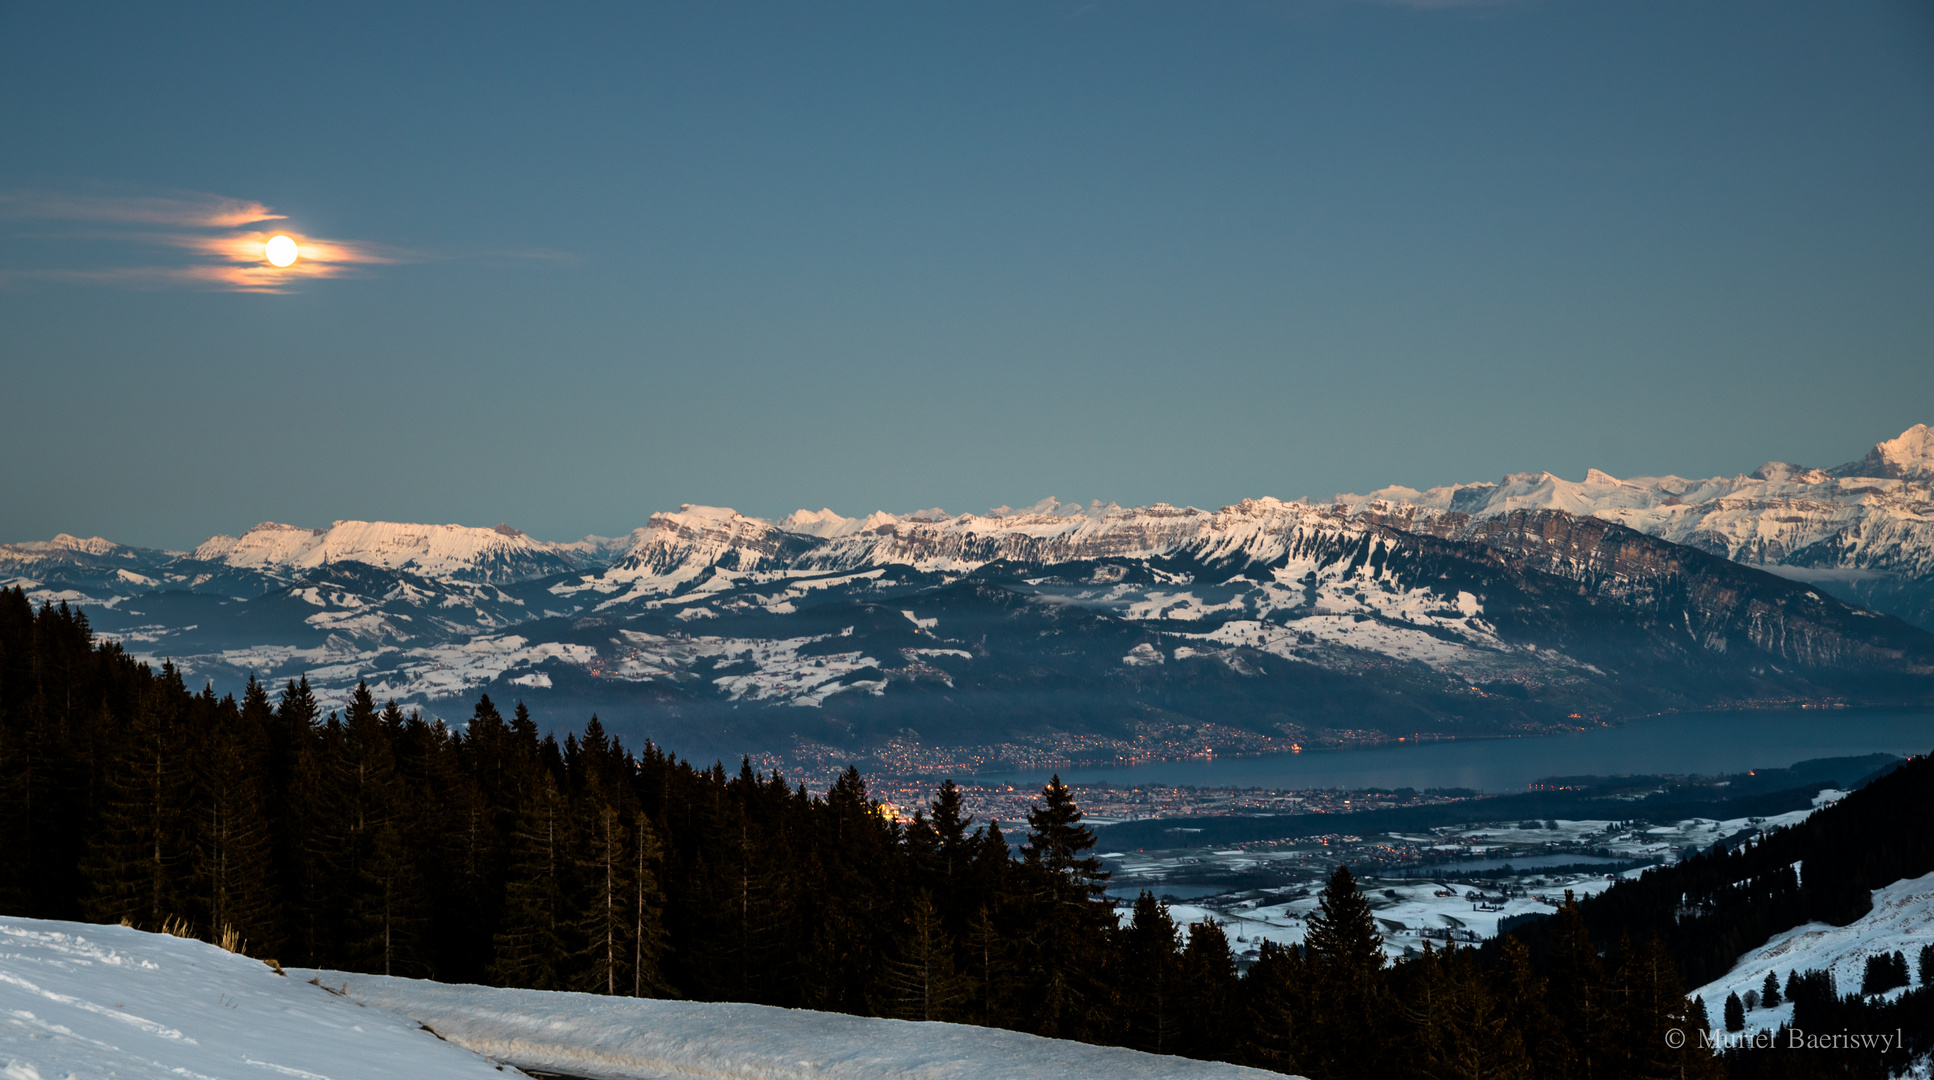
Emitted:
pixel 82 1002
pixel 1902 920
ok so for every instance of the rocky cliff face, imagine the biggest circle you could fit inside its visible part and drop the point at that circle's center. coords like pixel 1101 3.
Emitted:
pixel 1722 606
pixel 674 549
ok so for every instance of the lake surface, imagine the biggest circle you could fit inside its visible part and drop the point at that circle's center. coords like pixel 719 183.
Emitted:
pixel 1705 744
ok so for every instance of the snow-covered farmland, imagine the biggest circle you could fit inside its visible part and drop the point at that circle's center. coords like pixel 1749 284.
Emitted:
pixel 1407 913
pixel 1525 869
pixel 757 669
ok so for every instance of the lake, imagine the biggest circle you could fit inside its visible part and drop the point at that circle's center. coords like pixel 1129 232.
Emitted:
pixel 1699 743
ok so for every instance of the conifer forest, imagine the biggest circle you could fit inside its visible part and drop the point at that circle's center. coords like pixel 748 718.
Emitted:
pixel 373 840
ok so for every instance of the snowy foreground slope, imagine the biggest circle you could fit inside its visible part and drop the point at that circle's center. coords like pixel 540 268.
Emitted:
pixel 97 1002
pixel 621 1038
pixel 1902 920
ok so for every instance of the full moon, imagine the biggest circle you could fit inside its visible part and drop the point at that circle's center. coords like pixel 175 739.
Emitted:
pixel 281 250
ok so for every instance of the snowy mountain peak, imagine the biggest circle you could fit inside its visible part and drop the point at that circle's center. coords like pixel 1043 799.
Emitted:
pixel 1049 507
pixel 684 545
pixel 931 513
pixel 93 545
pixel 712 513
pixel 1909 457
pixel 454 551
pixel 822 523
pixel 63 549
pixel 1785 472
pixel 267 544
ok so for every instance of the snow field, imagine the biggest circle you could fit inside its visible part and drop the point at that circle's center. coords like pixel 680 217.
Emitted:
pixel 93 1002
pixel 633 1039
pixel 84 1002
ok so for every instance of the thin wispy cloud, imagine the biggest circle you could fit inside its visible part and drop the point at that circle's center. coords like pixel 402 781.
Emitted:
pixel 206 211
pixel 222 242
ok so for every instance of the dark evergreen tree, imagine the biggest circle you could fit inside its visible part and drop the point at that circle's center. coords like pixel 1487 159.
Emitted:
pixel 951 864
pixel 1067 920
pixel 648 939
pixel 1521 994
pixel 1579 1005
pixel 745 903
pixel 530 946
pixel 1150 976
pixel 851 890
pixel 231 822
pixel 1458 1029
pixel 920 979
pixel 368 879
pixel 1735 1013
pixel 1346 958
pixel 1210 994
pixel 950 824
pixel 606 922
pixel 1057 843
pixel 20 741
pixel 1884 972
pixel 1653 1005
pixel 1276 1010
pixel 296 791
pixel 137 859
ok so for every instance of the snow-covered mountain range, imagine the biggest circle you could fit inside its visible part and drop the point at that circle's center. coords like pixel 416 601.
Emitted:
pixel 1526 604
pixel 1863 530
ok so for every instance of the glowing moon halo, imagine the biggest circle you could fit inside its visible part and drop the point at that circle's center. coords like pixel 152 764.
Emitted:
pixel 281 250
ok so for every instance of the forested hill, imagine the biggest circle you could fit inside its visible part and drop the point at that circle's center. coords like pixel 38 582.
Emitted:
pixel 1712 908
pixel 372 841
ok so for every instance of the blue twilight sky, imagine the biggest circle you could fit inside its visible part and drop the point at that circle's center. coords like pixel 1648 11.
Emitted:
pixel 593 261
